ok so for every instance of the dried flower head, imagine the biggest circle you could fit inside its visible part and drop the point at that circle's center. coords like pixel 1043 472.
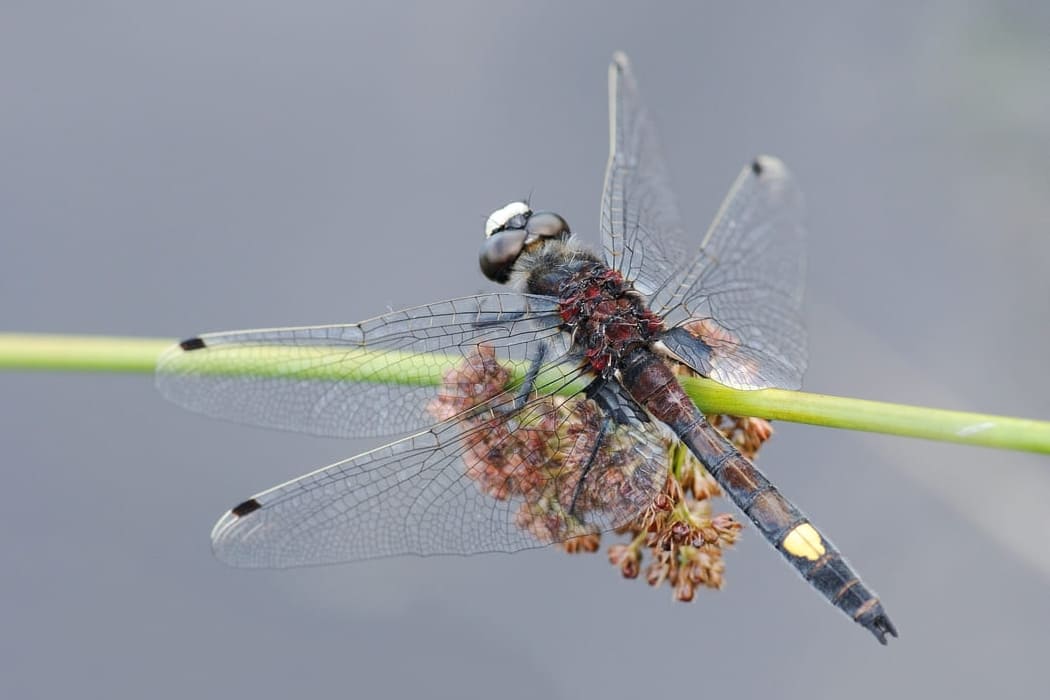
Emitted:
pixel 544 455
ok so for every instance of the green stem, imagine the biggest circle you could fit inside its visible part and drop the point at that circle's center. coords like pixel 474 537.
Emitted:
pixel 139 355
pixel 982 429
pixel 79 353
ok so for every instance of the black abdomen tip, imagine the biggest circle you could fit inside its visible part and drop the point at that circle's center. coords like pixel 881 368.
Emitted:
pixel 192 344
pixel 249 506
pixel 872 617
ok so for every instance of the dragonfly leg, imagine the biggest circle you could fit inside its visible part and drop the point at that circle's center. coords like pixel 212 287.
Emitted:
pixel 529 382
pixel 599 440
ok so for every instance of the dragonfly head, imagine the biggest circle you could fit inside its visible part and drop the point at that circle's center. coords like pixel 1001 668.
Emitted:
pixel 513 230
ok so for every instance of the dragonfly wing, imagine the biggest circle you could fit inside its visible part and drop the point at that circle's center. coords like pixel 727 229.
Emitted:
pixel 737 314
pixel 339 380
pixel 497 481
pixel 642 232
pixel 740 290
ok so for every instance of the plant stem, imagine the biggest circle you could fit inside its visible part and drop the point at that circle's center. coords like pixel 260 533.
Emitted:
pixel 37 352
pixel 79 353
pixel 982 429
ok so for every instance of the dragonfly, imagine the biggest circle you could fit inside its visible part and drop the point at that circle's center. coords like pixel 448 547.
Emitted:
pixel 555 397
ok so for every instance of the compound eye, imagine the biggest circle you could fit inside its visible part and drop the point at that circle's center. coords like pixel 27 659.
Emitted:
pixel 515 222
pixel 499 252
pixel 546 224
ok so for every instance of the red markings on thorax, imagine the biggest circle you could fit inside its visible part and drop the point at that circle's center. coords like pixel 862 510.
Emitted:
pixel 606 317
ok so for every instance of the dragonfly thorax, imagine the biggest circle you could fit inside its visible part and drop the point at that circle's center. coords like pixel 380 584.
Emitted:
pixel 603 313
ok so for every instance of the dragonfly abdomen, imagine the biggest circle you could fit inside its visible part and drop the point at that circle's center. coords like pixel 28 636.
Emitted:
pixel 788 530
pixel 784 526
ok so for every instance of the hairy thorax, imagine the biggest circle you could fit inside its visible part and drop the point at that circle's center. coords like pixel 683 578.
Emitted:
pixel 604 315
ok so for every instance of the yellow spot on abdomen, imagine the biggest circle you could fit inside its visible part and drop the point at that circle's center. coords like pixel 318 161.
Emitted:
pixel 805 542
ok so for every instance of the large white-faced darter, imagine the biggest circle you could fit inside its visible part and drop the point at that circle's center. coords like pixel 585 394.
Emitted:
pixel 556 400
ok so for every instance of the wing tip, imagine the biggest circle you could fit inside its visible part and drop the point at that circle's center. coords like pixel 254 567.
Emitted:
pixel 766 165
pixel 225 547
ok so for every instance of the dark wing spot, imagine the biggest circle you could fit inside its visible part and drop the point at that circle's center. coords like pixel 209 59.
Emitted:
pixel 192 344
pixel 249 506
pixel 756 167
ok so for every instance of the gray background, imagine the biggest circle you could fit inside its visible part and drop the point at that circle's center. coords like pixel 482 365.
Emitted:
pixel 194 166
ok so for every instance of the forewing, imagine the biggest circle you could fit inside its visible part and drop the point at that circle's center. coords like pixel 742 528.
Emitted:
pixel 504 482
pixel 642 231
pixel 740 290
pixel 377 377
pixel 738 312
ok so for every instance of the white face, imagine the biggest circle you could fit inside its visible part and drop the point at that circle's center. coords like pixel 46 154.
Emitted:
pixel 502 216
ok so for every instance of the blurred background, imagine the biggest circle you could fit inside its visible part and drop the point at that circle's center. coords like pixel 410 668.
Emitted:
pixel 173 168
